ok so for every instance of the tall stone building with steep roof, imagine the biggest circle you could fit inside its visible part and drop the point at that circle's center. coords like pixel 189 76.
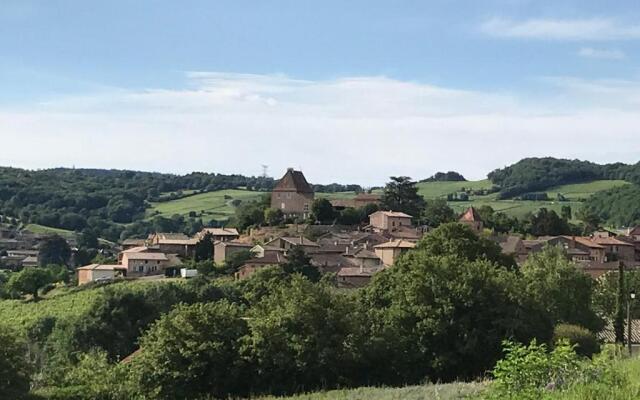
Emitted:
pixel 293 195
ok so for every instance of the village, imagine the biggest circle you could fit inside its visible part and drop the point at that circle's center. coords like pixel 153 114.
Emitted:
pixel 353 253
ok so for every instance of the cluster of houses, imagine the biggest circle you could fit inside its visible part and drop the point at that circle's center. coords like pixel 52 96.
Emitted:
pixel 19 249
pixel 353 254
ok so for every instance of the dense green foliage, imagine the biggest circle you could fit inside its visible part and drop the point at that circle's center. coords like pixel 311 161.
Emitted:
pixel 585 342
pixel 450 176
pixel 618 206
pixel 538 174
pixel 401 194
pixel 564 291
pixel 14 368
pixel 99 199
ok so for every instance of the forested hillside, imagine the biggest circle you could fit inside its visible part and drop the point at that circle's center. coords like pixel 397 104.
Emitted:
pixel 538 174
pixel 100 200
pixel 618 207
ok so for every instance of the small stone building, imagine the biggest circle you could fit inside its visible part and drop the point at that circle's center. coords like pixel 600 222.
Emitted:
pixel 381 221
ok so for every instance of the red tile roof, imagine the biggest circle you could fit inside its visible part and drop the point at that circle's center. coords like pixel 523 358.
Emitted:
pixel 471 215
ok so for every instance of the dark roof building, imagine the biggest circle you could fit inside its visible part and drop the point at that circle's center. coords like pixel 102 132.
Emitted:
pixel 293 195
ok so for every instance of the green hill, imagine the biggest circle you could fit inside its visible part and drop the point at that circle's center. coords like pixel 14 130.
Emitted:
pixel 218 204
pixel 215 205
pixel 574 193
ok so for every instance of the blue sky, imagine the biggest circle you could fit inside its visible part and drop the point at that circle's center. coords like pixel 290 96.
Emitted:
pixel 349 91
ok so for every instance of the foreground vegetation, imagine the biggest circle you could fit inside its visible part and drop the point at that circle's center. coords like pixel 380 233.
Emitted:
pixel 447 391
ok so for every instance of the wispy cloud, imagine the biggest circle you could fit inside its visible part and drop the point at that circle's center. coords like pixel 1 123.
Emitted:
pixel 561 29
pixel 354 129
pixel 604 54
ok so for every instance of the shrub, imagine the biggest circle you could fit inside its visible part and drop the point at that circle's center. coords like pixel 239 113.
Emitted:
pixel 585 341
pixel 527 372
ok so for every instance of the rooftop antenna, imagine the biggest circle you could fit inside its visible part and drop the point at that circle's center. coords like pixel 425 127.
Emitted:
pixel 265 168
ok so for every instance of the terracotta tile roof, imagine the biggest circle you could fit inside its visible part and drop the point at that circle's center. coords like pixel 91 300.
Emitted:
pixel 584 241
pixel 635 231
pixel 609 241
pixel 101 267
pixel 293 181
pixel 171 236
pixel 182 242
pixel 148 256
pixel 219 232
pixel 396 214
pixel 139 249
pixel 396 244
pixel 268 259
pixel 471 215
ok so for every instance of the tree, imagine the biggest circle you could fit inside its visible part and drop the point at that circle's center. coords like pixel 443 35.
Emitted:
pixel 437 212
pixel 460 241
pixel 236 260
pixel 194 351
pixel 564 291
pixel 298 262
pixel 566 213
pixel 14 367
pixel 54 250
pixel 299 338
pixel 273 216
pixel 323 211
pixel 548 223
pixel 444 317
pixel 88 239
pixel 204 247
pixel 401 194
pixel 30 280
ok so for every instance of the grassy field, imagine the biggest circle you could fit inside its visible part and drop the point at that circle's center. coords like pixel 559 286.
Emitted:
pixel 213 205
pixel 217 205
pixel 427 392
pixel 35 228
pixel 434 190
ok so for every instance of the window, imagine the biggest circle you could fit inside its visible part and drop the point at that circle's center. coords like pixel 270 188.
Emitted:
pixel 288 195
pixel 278 196
pixel 282 206
pixel 306 207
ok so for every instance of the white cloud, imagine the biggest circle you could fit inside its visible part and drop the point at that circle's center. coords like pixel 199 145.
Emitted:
pixel 604 54
pixel 358 129
pixel 561 29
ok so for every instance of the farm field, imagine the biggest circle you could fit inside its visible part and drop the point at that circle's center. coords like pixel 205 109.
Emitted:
pixel 214 205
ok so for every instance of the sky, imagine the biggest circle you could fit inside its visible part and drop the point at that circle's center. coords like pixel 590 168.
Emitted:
pixel 348 91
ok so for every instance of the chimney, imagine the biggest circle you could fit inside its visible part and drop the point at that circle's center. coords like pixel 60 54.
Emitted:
pixel 346 250
pixel 290 169
pixel 362 266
